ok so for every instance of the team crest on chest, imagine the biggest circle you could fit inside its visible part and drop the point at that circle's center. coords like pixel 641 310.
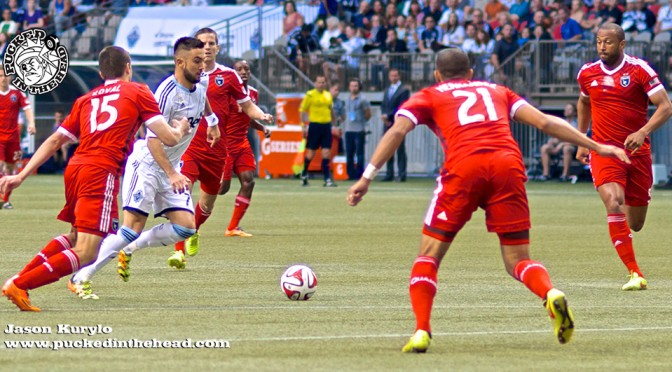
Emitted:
pixel 625 80
pixel 13 98
pixel 219 80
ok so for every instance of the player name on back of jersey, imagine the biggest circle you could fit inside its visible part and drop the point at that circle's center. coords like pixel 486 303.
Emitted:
pixel 452 86
pixel 105 90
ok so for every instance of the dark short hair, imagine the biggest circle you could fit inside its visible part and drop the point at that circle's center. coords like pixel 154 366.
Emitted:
pixel 620 34
pixel 207 30
pixel 112 62
pixel 452 63
pixel 187 43
pixel 59 111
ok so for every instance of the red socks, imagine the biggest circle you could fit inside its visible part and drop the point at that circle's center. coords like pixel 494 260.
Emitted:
pixel 621 237
pixel 422 289
pixel 56 245
pixel 534 275
pixel 56 267
pixel 242 203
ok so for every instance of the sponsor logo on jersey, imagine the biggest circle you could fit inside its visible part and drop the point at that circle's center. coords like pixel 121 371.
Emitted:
pixel 625 80
pixel 38 62
pixel 608 81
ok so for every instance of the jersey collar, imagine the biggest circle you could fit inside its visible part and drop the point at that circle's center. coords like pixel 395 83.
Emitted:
pixel 611 72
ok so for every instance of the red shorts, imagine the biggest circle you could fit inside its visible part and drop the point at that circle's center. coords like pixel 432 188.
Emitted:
pixel 636 178
pixel 90 200
pixel 238 161
pixel 494 181
pixel 10 152
pixel 208 171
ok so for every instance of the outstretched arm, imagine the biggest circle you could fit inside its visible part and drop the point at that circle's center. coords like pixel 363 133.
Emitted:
pixel 255 113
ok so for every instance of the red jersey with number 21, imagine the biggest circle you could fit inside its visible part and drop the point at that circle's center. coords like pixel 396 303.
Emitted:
pixel 619 99
pixel 106 119
pixel 468 117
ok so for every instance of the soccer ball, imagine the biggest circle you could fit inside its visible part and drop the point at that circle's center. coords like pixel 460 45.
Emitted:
pixel 298 282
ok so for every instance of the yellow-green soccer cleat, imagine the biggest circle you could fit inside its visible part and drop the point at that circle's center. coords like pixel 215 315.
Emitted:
pixel 191 245
pixel 636 283
pixel 177 260
pixel 82 290
pixel 561 315
pixel 124 265
pixel 419 342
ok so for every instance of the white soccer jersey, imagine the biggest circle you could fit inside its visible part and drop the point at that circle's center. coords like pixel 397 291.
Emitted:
pixel 175 102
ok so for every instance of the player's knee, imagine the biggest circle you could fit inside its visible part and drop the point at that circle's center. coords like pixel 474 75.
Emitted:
pixel 514 238
pixel 248 184
pixel 224 188
pixel 184 232
pixel 636 226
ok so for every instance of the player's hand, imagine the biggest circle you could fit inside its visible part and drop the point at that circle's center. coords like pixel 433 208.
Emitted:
pixel 267 118
pixel 357 191
pixel 31 129
pixel 304 131
pixel 608 150
pixel 179 183
pixel 267 132
pixel 635 141
pixel 582 155
pixel 214 135
pixel 9 183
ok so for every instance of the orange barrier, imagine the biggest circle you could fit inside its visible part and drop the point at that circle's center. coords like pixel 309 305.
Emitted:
pixel 287 109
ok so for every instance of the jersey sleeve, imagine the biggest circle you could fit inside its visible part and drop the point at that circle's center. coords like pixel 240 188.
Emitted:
pixel 23 101
pixel 514 102
pixel 305 103
pixel 70 127
pixel 648 78
pixel 579 79
pixel 147 106
pixel 418 108
pixel 237 88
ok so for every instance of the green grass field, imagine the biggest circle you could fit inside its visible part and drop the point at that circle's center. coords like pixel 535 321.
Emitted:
pixel 360 316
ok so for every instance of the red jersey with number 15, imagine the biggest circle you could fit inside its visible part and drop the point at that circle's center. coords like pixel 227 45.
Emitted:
pixel 106 119
pixel 619 99
pixel 223 83
pixel 238 123
pixel 11 102
pixel 468 117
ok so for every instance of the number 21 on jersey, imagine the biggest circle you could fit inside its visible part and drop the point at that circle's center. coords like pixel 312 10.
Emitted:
pixel 98 108
pixel 463 115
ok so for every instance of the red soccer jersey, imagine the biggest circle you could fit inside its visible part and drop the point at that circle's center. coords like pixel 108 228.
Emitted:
pixel 467 116
pixel 238 123
pixel 106 119
pixel 11 102
pixel 619 99
pixel 223 84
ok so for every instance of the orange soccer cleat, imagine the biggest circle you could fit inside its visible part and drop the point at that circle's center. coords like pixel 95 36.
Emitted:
pixel 18 296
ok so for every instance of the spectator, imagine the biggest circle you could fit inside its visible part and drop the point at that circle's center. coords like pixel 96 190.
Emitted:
pixel 504 48
pixel 8 26
pixel 301 44
pixel 451 7
pixel 292 18
pixel 358 113
pixel 543 50
pixel 396 46
pixel 393 97
pixel 60 157
pixel 348 9
pixel 591 20
pixel 400 26
pixel 664 23
pixel 391 15
pixel 338 110
pixel 570 30
pixel 520 10
pixel 415 11
pixel 328 8
pixel 525 36
pixel 363 18
pixel 576 11
pixel 429 36
pixel 3 43
pixel 536 5
pixel 637 17
pixel 478 21
pixel 469 43
pixel 555 147
pixel 376 39
pixel 378 8
pixel 492 8
pixel 332 31
pixel 453 34
pixel 537 19
pixel 433 10
pixel 611 13
pixel 33 17
pixel 352 47
pixel 18 13
pixel 411 36
pixel 332 55
pixel 61 11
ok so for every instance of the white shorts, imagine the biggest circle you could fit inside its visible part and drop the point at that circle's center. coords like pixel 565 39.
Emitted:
pixel 147 190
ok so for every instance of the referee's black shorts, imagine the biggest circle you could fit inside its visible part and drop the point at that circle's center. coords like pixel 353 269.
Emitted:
pixel 319 135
